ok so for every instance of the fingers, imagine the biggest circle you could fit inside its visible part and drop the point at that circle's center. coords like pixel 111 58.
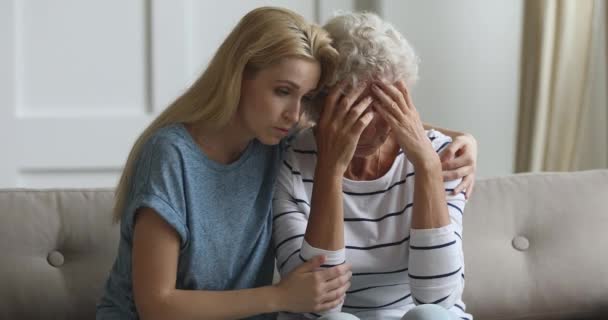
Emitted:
pixel 346 103
pixel 462 185
pixel 339 108
pixel 355 112
pixel 449 153
pixel 334 96
pixel 387 103
pixel 329 305
pixel 395 95
pixel 312 264
pixel 334 272
pixel 337 293
pixel 466 186
pixel 457 148
pixel 406 94
pixel 362 123
pixel 457 173
pixel 455 163
pixel 338 282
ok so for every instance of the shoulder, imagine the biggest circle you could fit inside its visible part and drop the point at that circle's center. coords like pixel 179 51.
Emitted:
pixel 166 150
pixel 299 157
pixel 172 137
pixel 302 149
pixel 303 141
pixel 170 143
pixel 438 139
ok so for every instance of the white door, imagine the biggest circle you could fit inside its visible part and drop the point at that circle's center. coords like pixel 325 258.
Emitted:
pixel 80 79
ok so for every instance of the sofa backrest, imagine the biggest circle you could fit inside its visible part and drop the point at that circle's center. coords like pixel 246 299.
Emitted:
pixel 58 247
pixel 536 246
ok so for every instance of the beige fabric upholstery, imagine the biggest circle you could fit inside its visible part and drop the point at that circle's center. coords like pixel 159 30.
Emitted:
pixel 564 272
pixel 33 224
pixel 57 247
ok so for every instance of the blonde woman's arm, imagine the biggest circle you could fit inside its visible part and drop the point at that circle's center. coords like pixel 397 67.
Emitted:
pixel 155 255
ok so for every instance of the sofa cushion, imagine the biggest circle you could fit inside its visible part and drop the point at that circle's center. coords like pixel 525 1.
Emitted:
pixel 536 246
pixel 57 248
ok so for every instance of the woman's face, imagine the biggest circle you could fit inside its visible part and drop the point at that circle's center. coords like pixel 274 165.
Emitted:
pixel 272 99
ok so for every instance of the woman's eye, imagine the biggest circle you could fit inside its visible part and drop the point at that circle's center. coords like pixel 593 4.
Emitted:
pixel 282 91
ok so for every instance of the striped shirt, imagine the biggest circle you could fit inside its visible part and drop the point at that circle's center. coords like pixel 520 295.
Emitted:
pixel 394 267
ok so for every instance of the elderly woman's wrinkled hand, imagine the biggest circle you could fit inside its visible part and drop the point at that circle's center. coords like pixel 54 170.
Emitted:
pixel 396 107
pixel 459 160
pixel 340 126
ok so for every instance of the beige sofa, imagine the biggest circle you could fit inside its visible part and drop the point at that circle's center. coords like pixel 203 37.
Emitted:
pixel 536 247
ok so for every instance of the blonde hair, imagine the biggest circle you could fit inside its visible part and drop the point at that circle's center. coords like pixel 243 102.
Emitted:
pixel 262 37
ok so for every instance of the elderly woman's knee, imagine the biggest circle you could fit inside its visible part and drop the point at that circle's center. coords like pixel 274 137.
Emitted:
pixel 428 312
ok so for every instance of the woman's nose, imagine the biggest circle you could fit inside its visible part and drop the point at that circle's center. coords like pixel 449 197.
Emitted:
pixel 293 113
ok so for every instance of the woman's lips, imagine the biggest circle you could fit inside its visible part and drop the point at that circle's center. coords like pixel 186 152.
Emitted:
pixel 282 130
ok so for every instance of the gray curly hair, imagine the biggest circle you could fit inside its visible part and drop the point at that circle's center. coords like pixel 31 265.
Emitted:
pixel 368 47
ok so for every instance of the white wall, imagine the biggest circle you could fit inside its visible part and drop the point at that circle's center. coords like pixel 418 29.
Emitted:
pixel 79 79
pixel 469 74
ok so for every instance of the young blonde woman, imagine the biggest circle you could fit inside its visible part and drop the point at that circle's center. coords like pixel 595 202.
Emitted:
pixel 194 200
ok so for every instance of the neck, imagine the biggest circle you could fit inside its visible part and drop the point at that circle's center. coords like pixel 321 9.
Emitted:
pixel 224 145
pixel 373 166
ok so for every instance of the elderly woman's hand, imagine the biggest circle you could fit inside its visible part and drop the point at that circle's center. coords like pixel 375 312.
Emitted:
pixel 459 160
pixel 340 126
pixel 396 107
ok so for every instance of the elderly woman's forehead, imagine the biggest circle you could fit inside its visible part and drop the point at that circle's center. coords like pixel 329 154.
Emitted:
pixel 357 81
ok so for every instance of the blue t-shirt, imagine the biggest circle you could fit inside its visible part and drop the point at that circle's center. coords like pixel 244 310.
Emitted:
pixel 222 214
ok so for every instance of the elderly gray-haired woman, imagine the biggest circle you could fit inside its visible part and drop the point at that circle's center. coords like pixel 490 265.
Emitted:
pixel 364 186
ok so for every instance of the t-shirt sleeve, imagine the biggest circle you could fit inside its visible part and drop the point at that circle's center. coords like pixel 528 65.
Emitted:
pixel 158 183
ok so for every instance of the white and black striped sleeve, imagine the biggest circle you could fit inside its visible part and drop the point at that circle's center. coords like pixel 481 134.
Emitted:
pixel 290 218
pixel 289 221
pixel 436 266
pixel 436 261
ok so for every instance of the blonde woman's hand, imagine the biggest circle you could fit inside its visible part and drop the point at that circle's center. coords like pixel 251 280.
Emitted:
pixel 396 107
pixel 310 289
pixel 340 126
pixel 459 160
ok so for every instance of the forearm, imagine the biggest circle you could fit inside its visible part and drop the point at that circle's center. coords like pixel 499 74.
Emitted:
pixel 435 266
pixel 325 229
pixel 430 208
pixel 435 256
pixel 197 304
